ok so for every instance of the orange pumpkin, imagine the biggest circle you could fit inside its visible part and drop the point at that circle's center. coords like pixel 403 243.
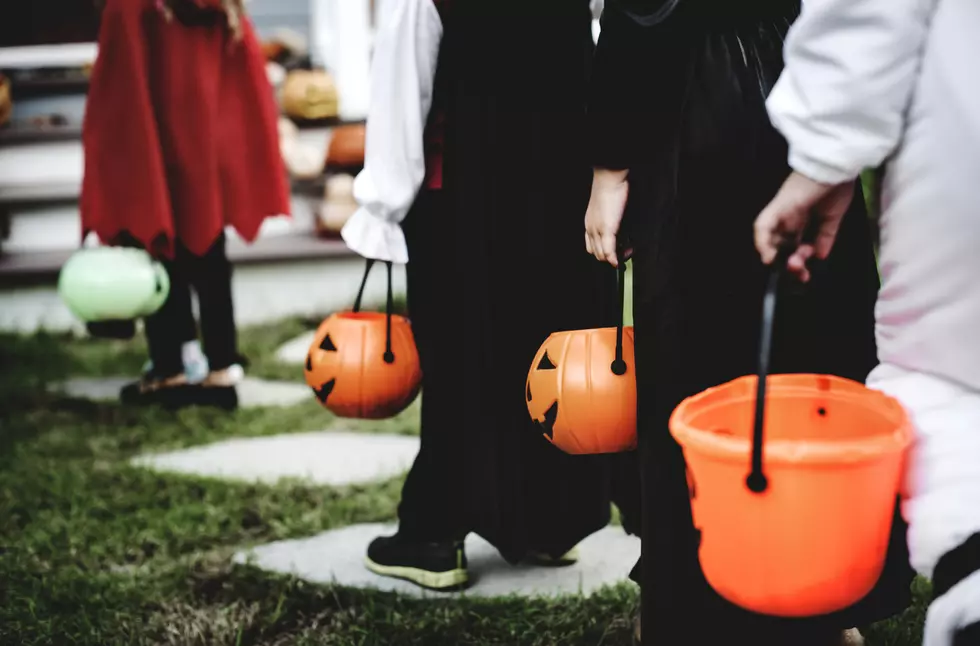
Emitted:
pixel 6 103
pixel 346 149
pixel 310 95
pixel 273 50
pixel 583 403
pixel 364 364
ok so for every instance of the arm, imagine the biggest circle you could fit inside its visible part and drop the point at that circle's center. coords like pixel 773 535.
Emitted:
pixel 402 78
pixel 621 111
pixel 622 103
pixel 851 66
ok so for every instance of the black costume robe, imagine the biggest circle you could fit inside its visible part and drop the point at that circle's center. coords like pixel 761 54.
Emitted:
pixel 678 98
pixel 496 264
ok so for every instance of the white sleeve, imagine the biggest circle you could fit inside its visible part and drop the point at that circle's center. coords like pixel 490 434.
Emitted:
pixel 851 66
pixel 402 77
pixel 597 6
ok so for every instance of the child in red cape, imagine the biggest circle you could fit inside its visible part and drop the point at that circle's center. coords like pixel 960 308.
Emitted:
pixel 181 140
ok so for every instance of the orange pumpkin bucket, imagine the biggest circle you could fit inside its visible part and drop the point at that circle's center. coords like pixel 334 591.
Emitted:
pixel 364 364
pixel 581 389
pixel 807 531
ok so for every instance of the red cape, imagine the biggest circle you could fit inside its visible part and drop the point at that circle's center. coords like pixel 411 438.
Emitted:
pixel 180 133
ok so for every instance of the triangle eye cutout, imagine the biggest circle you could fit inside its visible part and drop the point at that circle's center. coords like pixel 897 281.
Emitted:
pixel 309 363
pixel 327 344
pixel 546 363
pixel 529 391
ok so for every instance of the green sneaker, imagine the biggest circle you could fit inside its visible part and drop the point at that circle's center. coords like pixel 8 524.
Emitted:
pixel 435 566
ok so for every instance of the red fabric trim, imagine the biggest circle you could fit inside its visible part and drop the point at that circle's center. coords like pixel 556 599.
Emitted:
pixel 434 138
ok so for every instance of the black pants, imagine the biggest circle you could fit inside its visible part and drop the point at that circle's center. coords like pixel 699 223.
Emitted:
pixel 173 324
pixel 432 507
pixel 435 498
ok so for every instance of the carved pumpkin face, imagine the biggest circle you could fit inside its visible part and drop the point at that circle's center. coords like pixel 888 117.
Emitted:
pixel 347 368
pixel 310 94
pixel 575 398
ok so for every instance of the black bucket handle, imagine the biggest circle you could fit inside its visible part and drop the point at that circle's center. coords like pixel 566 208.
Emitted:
pixel 389 356
pixel 757 482
pixel 618 365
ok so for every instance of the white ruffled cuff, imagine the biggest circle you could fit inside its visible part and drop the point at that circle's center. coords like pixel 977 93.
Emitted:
pixel 373 237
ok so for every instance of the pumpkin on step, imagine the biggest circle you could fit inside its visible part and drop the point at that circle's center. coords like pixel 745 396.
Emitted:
pixel 338 205
pixel 346 149
pixel 6 102
pixel 310 95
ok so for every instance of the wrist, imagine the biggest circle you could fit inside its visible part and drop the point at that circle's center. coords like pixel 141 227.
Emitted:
pixel 609 177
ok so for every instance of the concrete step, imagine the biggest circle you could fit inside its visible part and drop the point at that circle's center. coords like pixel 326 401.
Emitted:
pixel 41 172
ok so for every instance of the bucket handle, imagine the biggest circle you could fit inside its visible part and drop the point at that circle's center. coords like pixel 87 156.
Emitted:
pixel 389 356
pixel 757 482
pixel 618 365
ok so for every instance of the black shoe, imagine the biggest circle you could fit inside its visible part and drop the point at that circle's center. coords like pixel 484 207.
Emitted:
pixel 544 559
pixel 174 392
pixel 154 389
pixel 120 330
pixel 436 566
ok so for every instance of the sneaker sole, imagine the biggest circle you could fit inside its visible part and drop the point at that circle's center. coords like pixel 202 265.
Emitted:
pixel 569 558
pixel 439 581
pixel 185 396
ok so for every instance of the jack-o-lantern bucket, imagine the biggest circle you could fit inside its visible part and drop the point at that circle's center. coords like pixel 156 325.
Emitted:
pixel 364 364
pixel 809 535
pixel 581 389
pixel 113 284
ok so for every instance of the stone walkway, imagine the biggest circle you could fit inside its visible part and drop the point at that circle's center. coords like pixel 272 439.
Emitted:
pixel 325 458
pixel 337 557
pixel 294 352
pixel 341 458
pixel 251 392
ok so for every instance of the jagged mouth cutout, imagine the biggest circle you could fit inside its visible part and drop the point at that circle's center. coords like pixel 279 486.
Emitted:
pixel 546 425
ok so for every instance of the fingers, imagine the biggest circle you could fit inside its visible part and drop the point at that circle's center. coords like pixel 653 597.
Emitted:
pixel 797 263
pixel 826 236
pixel 766 229
pixel 604 216
pixel 608 243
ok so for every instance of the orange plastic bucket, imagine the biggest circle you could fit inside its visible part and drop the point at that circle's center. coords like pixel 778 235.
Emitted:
pixel 793 482
pixel 815 541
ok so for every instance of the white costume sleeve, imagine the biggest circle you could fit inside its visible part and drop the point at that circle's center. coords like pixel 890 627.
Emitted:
pixel 402 77
pixel 851 66
pixel 597 6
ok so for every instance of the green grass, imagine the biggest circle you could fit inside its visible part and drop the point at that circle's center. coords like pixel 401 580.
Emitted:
pixel 95 552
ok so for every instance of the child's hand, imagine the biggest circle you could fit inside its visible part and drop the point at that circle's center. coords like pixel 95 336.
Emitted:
pixel 607 203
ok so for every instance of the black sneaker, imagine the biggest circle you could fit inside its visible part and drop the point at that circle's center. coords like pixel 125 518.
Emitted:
pixel 154 389
pixel 436 566
pixel 173 392
pixel 544 559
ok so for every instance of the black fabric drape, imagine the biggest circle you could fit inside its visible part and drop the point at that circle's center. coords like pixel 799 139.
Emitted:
pixel 506 267
pixel 681 104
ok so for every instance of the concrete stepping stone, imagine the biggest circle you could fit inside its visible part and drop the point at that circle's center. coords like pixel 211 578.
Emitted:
pixel 337 557
pixel 294 352
pixel 323 458
pixel 251 392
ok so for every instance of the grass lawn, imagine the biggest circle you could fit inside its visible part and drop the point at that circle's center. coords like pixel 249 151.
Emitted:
pixel 93 551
